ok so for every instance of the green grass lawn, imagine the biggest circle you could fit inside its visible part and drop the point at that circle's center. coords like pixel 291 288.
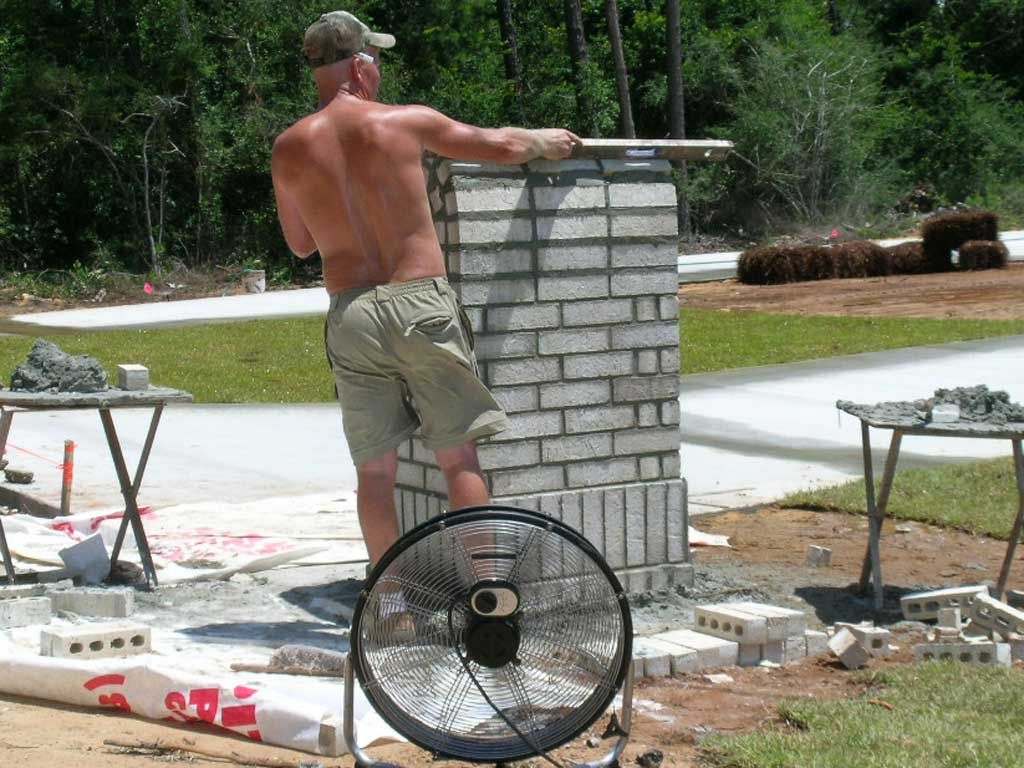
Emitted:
pixel 282 361
pixel 717 341
pixel 978 497
pixel 943 715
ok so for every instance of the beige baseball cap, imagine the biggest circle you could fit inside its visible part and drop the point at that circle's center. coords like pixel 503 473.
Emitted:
pixel 338 35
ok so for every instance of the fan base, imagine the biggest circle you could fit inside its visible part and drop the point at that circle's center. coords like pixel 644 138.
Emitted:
pixel 363 760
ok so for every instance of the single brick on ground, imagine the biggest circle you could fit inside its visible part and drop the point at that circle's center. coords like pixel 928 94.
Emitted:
pixel 817 642
pixel 875 640
pixel 992 654
pixel 98 603
pixel 925 606
pixel 711 651
pixel 989 613
pixel 96 641
pixel 845 645
pixel 24 612
pixel 731 623
pixel 783 623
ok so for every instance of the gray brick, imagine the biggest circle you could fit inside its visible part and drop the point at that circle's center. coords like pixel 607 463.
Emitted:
pixel 435 483
pixel 636 539
pixel 532 480
pixel 646 441
pixel 669 307
pixel 569 342
pixel 570 258
pixel 496 231
pixel 497 346
pixel 645 335
pixel 598 312
pixel 434 506
pixel 410 474
pixel 641 195
pixel 533 425
pixel 607 472
pixel 580 447
pixel 615 527
pixel 572 288
pixel 521 453
pixel 598 365
pixel 633 255
pixel 651 282
pixel 645 388
pixel 650 468
pixel 576 393
pixel 670 362
pixel 523 372
pixel 647 361
pixel 612 167
pixel 656 526
pixel 422 454
pixel 572 511
pixel 648 415
pixel 678 546
pixel 405 450
pixel 408 511
pixel 516 399
pixel 599 419
pixel 568 197
pixel 593 518
pixel 483 292
pixel 522 318
pixel 661 224
pixel 670 413
pixel 475 315
pixel 436 201
pixel 103 603
pixel 24 612
pixel 670 465
pixel 551 505
pixel 478 263
pixel 566 227
pixel 491 195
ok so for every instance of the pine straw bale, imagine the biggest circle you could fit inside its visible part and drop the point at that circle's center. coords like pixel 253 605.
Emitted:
pixel 946 233
pixel 983 254
pixel 862 258
pixel 785 264
pixel 908 259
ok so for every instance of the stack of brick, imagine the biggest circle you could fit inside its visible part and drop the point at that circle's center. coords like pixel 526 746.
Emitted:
pixel 23 606
pixel 995 621
pixel 567 272
pixel 764 633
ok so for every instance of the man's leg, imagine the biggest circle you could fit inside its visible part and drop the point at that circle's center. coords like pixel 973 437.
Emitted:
pixel 375 501
pixel 465 479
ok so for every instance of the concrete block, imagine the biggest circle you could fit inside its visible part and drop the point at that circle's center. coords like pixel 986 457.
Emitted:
pixel 100 603
pixel 595 445
pixel 575 393
pixel 15 591
pixel 598 365
pixel 847 648
pixel 517 399
pixel 566 198
pixel 782 623
pixel 795 648
pixel 1015 598
pixel 489 262
pixel 723 620
pixel 647 361
pixel 774 651
pixel 924 606
pixel 24 612
pixel 656 656
pixel 817 642
pixel 599 419
pixel 600 312
pixel 1016 643
pixel 612 167
pixel 638 441
pixel 502 346
pixel 574 341
pixel 986 653
pixel 989 613
pixel 670 360
pixel 605 472
pixel 572 258
pixel 645 335
pixel 646 225
pixel 523 372
pixel 650 468
pixel 96 641
pixel 647 413
pixel 575 227
pixel 670 413
pixel 633 255
pixel 490 195
pixel 522 318
pixel 641 195
pixel 646 309
pixel 950 618
pixel 749 655
pixel 132 377
pixel 819 557
pixel 572 288
pixel 654 282
pixel 503 230
pixel 875 640
pixel 712 651
pixel 645 388
pixel 531 480
pixel 485 292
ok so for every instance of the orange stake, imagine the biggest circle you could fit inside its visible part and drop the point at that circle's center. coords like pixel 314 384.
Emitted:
pixel 69 475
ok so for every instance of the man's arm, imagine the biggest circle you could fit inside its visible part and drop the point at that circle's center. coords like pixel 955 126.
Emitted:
pixel 450 138
pixel 282 169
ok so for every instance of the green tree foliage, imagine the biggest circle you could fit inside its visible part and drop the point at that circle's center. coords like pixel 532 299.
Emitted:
pixel 137 133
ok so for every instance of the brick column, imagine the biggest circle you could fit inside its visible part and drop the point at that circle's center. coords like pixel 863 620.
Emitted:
pixel 568 272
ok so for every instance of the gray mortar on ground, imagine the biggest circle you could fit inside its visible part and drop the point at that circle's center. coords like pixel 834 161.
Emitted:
pixel 980 410
pixel 50 369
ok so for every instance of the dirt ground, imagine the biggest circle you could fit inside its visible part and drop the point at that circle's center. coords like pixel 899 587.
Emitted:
pixel 996 294
pixel 765 563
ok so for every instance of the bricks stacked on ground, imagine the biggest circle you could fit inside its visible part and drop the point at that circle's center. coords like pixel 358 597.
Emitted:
pixel 95 641
pixel 568 275
pixel 994 616
pixel 762 632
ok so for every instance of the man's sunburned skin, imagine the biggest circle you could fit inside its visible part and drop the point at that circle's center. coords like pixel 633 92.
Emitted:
pixel 354 170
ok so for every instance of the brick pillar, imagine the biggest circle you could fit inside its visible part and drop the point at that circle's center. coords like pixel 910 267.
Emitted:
pixel 568 272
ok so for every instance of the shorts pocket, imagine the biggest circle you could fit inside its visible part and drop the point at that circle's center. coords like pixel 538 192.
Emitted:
pixel 467 327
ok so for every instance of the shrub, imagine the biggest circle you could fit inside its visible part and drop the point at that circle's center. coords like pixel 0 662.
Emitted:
pixel 944 234
pixel 983 254
pixel 908 259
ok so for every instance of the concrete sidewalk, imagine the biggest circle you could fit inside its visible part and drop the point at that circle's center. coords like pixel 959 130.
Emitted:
pixel 755 434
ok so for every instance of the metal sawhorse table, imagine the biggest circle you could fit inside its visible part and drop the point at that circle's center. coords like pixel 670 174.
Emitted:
pixel 900 426
pixel 154 397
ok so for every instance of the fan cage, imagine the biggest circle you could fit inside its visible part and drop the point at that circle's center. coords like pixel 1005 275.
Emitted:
pixel 575 624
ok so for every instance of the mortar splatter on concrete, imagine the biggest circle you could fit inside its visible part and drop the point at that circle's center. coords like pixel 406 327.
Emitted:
pixel 50 369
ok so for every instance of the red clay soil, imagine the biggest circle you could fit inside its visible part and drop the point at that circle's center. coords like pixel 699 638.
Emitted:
pixel 995 294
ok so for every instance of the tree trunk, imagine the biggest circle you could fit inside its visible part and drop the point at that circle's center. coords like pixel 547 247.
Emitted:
pixel 626 129
pixel 580 60
pixel 835 19
pixel 676 107
pixel 510 47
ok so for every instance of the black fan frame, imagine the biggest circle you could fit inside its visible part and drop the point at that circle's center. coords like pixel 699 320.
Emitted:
pixel 493 512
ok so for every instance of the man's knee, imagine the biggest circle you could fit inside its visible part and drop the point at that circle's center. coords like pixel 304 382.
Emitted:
pixel 462 458
pixel 379 471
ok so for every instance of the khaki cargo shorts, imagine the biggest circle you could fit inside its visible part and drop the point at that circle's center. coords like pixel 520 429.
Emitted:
pixel 402 357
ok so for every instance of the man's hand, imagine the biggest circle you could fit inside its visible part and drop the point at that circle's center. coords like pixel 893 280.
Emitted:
pixel 556 143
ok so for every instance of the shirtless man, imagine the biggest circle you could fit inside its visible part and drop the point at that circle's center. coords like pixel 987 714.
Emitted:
pixel 349 184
